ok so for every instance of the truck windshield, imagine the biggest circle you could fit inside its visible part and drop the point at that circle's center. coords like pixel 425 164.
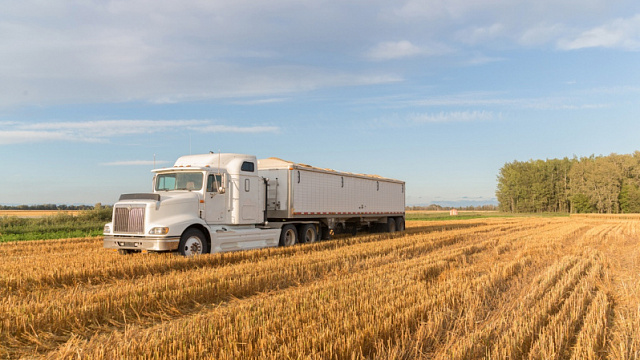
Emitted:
pixel 179 181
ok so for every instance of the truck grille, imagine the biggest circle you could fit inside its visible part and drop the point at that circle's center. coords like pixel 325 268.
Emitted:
pixel 129 220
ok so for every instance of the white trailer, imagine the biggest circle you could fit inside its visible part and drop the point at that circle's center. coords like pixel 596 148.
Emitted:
pixel 340 201
pixel 222 202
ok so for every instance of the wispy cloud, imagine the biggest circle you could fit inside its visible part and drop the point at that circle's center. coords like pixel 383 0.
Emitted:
pixel 479 59
pixel 109 128
pixel 261 101
pixel 389 50
pixel 442 117
pixel 478 35
pixel 180 55
pixel 540 34
pixel 102 131
pixel 393 50
pixel 9 137
pixel 452 116
pixel 466 99
pixel 497 99
pixel 237 129
pixel 135 163
pixel 619 33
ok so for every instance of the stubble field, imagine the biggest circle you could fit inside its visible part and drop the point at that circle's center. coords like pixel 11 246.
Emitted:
pixel 499 288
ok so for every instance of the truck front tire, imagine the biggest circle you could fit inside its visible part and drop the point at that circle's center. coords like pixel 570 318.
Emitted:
pixel 193 242
pixel 288 236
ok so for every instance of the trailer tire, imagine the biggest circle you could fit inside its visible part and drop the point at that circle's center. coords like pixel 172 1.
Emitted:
pixel 308 234
pixel 391 225
pixel 288 236
pixel 400 224
pixel 193 242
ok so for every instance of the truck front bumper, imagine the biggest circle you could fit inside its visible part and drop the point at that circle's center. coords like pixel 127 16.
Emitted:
pixel 166 243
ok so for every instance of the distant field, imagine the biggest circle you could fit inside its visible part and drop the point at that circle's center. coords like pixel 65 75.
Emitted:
pixel 466 215
pixel 37 213
pixel 493 288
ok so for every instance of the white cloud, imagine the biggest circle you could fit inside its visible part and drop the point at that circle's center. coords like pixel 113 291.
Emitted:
pixel 389 50
pixel 394 50
pixel 135 163
pixel 479 59
pixel 167 52
pixel 496 99
pixel 452 116
pixel 102 131
pixel 109 128
pixel 466 99
pixel 9 137
pixel 261 101
pixel 620 33
pixel 236 129
pixel 541 34
pixel 478 35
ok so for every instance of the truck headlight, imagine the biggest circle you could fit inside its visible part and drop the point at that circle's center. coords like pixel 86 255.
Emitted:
pixel 107 229
pixel 159 231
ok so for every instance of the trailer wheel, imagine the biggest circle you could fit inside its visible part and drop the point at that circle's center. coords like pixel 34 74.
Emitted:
pixel 308 234
pixel 288 236
pixel 400 224
pixel 391 225
pixel 193 242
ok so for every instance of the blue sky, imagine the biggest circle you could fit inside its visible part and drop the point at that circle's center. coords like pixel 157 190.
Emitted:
pixel 438 93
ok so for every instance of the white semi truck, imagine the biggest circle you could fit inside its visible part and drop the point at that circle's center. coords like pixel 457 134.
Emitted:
pixel 221 202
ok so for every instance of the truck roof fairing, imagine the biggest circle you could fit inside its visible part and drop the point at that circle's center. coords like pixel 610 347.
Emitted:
pixel 185 168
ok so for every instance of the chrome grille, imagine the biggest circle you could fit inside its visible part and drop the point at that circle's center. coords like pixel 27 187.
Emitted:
pixel 129 220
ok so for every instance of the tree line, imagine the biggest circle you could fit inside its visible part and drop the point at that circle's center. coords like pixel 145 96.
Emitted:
pixel 436 207
pixel 595 184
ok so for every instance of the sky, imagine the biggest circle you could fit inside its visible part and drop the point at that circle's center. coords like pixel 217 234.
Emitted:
pixel 440 94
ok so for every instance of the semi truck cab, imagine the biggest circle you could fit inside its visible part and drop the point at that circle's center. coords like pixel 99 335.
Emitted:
pixel 204 203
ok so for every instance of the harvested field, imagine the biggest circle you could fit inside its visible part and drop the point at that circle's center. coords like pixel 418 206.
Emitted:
pixel 498 288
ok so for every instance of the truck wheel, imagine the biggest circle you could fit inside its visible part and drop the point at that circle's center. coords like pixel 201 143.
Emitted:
pixel 391 225
pixel 193 242
pixel 400 224
pixel 288 236
pixel 308 234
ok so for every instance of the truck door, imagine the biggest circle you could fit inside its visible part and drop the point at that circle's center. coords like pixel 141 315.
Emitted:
pixel 215 202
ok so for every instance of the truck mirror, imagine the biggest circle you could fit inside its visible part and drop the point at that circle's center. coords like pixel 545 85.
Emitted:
pixel 223 180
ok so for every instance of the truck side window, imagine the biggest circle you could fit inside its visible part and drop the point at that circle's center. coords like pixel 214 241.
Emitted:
pixel 214 182
pixel 247 166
